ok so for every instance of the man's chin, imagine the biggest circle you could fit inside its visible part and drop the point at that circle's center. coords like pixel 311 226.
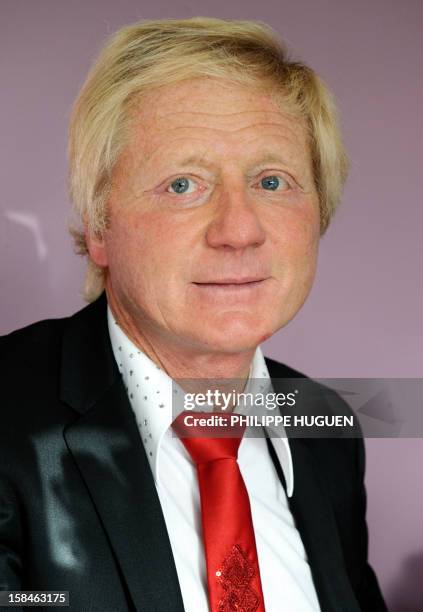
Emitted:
pixel 237 337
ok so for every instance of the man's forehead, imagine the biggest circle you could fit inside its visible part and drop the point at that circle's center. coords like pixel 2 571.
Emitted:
pixel 196 124
pixel 206 156
pixel 191 138
pixel 212 103
pixel 198 149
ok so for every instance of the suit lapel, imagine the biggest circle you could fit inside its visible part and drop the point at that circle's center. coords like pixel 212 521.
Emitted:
pixel 105 444
pixel 316 523
pixel 315 520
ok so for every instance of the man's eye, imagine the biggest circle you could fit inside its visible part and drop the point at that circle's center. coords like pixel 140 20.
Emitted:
pixel 181 185
pixel 272 183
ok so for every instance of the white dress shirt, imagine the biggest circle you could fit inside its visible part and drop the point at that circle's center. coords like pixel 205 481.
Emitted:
pixel 285 573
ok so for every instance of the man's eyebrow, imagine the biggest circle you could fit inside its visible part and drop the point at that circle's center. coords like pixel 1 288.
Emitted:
pixel 290 162
pixel 195 160
pixel 270 158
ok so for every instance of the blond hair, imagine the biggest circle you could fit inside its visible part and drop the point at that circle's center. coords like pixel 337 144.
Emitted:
pixel 150 54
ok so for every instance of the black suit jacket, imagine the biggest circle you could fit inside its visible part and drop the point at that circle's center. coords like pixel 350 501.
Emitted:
pixel 78 504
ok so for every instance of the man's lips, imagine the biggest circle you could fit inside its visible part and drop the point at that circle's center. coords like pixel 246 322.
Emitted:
pixel 232 282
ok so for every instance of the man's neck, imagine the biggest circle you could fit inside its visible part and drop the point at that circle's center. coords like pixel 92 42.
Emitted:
pixel 221 370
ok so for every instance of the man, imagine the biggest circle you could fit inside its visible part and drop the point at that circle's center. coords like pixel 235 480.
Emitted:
pixel 204 168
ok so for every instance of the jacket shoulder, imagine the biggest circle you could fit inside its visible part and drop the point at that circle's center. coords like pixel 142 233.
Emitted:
pixel 31 343
pixel 42 359
pixel 44 337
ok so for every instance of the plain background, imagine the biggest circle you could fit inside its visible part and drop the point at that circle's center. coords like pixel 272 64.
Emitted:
pixel 363 317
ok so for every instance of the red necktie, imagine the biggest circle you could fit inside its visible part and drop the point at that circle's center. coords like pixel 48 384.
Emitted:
pixel 231 556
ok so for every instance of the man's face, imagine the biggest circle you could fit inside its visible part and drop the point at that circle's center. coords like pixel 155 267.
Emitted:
pixel 214 218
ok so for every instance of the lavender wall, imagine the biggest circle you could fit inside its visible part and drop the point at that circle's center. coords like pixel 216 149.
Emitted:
pixel 363 317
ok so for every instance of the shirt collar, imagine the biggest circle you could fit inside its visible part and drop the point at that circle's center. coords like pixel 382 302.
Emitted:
pixel 151 393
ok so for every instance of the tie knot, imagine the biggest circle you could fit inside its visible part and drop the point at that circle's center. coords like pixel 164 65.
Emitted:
pixel 208 436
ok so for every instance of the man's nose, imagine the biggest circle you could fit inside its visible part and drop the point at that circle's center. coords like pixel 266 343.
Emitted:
pixel 236 223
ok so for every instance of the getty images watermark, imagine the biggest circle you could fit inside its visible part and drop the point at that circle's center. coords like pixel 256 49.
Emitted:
pixel 226 401
pixel 301 407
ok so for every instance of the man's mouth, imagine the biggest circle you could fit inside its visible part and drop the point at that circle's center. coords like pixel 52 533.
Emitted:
pixel 232 283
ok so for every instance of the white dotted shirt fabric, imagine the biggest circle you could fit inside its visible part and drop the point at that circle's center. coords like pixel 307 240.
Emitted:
pixel 285 573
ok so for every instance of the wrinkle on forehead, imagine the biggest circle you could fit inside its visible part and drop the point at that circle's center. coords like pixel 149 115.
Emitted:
pixel 153 137
pixel 178 151
pixel 182 123
pixel 195 101
pixel 229 121
pixel 224 118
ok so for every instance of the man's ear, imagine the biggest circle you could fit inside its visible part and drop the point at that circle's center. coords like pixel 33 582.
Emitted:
pixel 96 248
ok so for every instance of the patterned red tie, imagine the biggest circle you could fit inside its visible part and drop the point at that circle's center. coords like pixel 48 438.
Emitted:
pixel 231 556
